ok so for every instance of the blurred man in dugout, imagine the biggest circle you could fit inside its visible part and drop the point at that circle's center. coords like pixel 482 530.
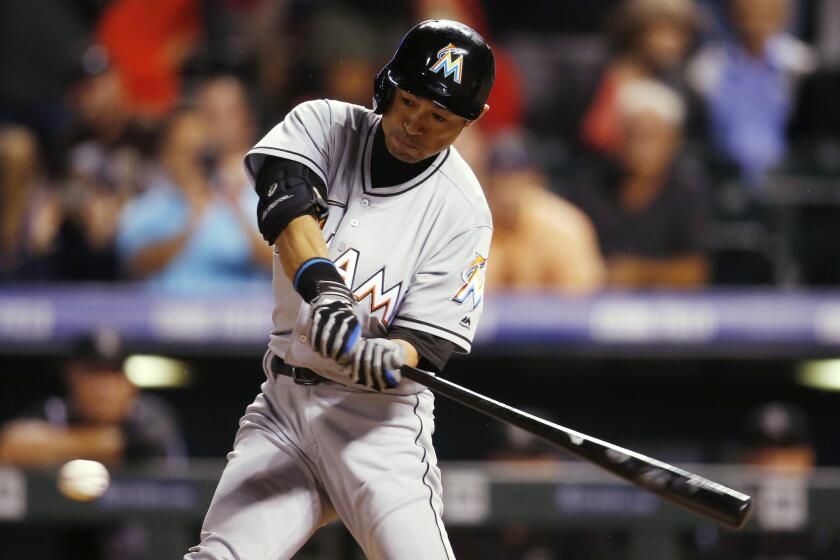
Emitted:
pixel 103 416
pixel 776 443
pixel 540 241
pixel 777 438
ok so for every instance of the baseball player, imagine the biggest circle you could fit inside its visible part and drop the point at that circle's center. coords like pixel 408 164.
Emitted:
pixel 381 234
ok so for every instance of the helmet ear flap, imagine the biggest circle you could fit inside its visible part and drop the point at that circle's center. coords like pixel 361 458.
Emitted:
pixel 383 91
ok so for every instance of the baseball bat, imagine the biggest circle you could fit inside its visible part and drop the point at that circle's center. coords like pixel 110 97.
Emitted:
pixel 687 490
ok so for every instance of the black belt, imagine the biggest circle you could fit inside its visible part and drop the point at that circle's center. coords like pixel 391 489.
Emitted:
pixel 301 376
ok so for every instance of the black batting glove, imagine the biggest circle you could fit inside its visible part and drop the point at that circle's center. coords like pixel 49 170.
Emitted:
pixel 336 328
pixel 376 363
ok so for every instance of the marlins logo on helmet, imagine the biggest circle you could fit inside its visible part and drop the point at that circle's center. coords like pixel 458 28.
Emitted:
pixel 449 65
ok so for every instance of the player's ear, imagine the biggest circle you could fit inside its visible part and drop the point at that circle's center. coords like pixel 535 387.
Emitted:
pixel 486 108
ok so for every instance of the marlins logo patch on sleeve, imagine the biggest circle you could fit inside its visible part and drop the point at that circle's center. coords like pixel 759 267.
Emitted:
pixel 473 277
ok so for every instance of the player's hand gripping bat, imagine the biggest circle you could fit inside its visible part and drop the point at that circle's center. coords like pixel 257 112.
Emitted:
pixel 685 489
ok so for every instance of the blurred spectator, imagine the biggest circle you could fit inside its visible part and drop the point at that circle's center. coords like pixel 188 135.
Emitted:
pixel 224 103
pixel 29 212
pixel 103 417
pixel 84 243
pixel 540 241
pixel 828 33
pixel 749 85
pixel 148 41
pixel 273 44
pixel 184 234
pixel 651 38
pixel 649 213
pixel 97 97
pixel 105 126
pixel 306 50
pixel 107 162
pixel 349 59
pixel 815 127
pixel 800 20
pixel 567 17
pixel 38 48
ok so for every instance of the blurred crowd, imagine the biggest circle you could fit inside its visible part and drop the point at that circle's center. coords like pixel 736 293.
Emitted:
pixel 630 143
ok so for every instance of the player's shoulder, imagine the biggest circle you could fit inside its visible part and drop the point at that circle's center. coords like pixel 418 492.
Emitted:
pixel 464 192
pixel 333 112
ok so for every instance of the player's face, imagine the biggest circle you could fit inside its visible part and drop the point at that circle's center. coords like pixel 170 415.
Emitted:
pixel 416 129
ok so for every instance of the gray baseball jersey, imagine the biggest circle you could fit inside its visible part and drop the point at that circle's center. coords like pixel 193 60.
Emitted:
pixel 414 255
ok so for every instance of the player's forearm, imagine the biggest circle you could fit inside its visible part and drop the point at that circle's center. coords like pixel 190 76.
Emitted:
pixel 299 242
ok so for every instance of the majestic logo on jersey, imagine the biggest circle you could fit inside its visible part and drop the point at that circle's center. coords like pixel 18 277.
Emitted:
pixel 382 302
pixel 473 277
pixel 447 64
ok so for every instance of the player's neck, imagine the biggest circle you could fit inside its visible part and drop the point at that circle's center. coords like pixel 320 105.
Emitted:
pixel 386 170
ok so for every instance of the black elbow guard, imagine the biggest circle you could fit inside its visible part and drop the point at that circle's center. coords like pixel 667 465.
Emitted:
pixel 287 190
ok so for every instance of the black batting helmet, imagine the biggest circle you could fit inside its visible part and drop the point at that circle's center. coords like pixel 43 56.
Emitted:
pixel 443 61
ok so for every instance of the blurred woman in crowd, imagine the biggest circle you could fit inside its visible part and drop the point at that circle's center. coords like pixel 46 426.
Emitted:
pixel 224 102
pixel 652 38
pixel 185 235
